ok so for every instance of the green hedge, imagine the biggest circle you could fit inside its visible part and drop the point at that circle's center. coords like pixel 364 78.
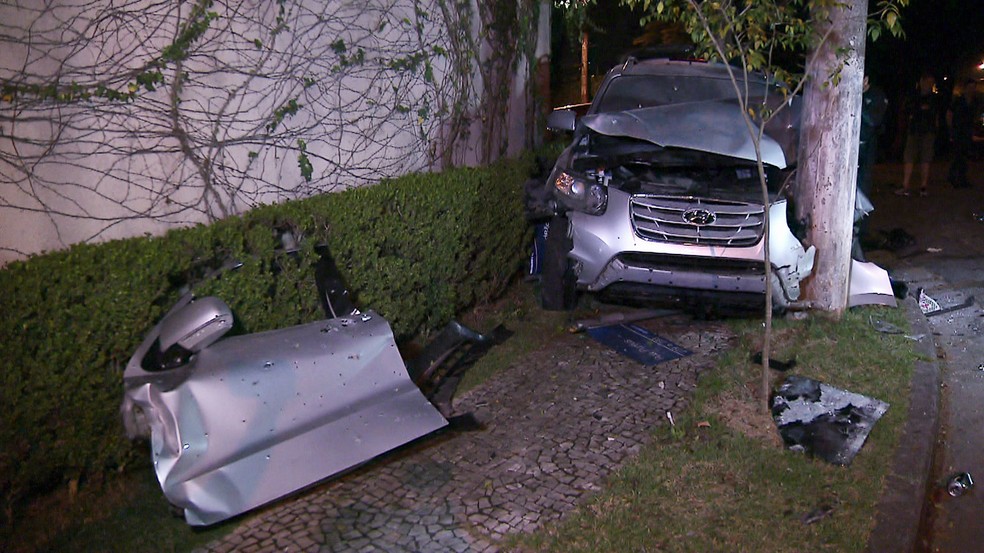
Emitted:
pixel 417 249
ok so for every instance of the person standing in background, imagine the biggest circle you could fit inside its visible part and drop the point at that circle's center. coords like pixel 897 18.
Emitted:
pixel 873 107
pixel 960 120
pixel 920 139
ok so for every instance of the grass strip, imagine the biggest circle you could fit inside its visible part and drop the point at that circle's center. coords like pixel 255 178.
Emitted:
pixel 719 479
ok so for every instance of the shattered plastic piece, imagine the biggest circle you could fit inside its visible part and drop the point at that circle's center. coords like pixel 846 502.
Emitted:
pixel 926 303
pixel 818 514
pixel 959 483
pixel 824 421
pixel 774 364
pixel 438 369
pixel 965 304
pixel 883 326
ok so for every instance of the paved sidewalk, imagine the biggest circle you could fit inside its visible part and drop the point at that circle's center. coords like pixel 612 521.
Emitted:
pixel 557 423
pixel 947 394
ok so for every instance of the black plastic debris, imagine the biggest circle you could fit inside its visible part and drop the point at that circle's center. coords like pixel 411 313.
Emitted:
pixel 883 326
pixel 930 307
pixel 941 310
pixel 899 288
pixel 620 318
pixel 959 484
pixel 438 368
pixel 465 422
pixel 823 421
pixel 818 514
pixel 893 240
pixel 774 364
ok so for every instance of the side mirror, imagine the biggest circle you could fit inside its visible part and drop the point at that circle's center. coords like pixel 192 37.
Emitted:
pixel 561 120
pixel 196 325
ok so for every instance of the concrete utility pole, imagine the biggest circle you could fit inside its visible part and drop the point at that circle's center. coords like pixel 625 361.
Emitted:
pixel 828 153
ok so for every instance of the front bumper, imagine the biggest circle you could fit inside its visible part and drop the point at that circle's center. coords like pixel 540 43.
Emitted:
pixel 607 251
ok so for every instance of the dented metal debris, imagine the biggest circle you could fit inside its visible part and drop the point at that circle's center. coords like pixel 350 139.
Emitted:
pixel 823 421
pixel 235 422
pixel 870 285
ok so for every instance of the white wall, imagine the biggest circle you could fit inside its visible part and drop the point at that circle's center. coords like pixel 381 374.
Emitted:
pixel 100 169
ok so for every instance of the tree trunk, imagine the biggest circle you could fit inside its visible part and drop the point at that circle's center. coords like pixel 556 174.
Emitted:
pixel 828 152
pixel 584 67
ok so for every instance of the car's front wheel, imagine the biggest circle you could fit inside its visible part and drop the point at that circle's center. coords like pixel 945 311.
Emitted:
pixel 557 280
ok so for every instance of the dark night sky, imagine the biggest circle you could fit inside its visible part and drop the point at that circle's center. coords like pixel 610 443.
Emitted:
pixel 944 37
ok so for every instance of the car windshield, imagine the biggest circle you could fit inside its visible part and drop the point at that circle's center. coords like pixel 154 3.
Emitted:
pixel 629 92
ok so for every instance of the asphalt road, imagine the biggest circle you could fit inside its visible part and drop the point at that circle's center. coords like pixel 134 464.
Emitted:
pixel 945 260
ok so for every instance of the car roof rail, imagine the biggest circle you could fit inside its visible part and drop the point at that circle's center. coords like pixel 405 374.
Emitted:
pixel 675 52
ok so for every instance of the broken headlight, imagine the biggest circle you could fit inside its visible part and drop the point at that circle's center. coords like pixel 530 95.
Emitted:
pixel 579 193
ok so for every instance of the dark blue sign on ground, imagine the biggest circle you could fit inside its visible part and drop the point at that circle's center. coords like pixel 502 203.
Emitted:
pixel 638 343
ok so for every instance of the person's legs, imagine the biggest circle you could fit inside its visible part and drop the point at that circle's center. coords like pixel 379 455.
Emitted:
pixel 906 177
pixel 908 156
pixel 927 147
pixel 958 169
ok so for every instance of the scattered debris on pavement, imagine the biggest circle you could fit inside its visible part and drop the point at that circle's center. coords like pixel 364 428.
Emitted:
pixel 959 483
pixel 930 307
pixel 926 303
pixel 883 326
pixel 963 305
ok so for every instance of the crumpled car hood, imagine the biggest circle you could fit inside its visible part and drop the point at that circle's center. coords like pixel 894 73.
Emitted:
pixel 716 127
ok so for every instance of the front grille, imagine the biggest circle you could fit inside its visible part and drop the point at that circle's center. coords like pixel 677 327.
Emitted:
pixel 712 222
pixel 709 265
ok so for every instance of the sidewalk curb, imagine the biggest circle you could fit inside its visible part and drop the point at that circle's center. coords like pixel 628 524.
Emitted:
pixel 900 509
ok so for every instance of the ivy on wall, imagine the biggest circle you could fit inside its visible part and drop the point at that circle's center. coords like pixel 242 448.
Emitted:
pixel 149 115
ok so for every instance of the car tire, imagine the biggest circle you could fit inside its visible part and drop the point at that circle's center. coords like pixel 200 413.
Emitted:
pixel 557 281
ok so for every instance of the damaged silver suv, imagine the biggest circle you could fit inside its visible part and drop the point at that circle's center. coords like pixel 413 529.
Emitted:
pixel 657 198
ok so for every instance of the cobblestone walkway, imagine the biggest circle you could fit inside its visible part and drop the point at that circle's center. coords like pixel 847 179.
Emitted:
pixel 557 423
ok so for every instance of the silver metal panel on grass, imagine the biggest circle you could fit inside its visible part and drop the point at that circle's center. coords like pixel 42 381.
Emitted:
pixel 249 419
